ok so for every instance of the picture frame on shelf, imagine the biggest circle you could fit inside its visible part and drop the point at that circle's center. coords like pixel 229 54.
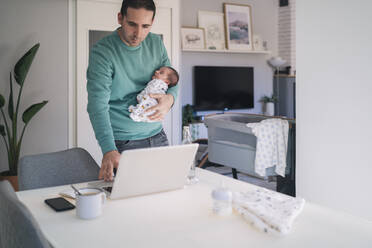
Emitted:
pixel 238 23
pixel 213 24
pixel 257 43
pixel 192 38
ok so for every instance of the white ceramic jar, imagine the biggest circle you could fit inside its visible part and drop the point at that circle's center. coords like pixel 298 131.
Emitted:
pixel 89 204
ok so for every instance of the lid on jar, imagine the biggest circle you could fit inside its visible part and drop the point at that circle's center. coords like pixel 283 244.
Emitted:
pixel 222 193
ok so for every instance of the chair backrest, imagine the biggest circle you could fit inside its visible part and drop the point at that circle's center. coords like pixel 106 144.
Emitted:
pixel 18 228
pixel 74 165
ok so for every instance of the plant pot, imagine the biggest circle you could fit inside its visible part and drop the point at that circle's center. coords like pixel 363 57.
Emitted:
pixel 12 179
pixel 269 109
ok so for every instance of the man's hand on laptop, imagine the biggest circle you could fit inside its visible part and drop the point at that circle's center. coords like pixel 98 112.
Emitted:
pixel 109 161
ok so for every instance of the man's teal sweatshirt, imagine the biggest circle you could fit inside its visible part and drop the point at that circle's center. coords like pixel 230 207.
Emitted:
pixel 116 74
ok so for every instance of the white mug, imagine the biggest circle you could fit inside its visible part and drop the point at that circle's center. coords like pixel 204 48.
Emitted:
pixel 89 203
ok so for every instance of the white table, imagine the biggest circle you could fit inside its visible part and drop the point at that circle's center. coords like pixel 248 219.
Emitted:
pixel 183 218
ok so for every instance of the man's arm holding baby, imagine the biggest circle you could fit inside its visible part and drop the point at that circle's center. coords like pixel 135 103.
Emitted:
pixel 165 103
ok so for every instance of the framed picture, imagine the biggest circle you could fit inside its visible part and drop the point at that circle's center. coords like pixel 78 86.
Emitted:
pixel 238 22
pixel 213 24
pixel 192 38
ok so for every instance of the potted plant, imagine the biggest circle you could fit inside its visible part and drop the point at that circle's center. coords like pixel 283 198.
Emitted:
pixel 188 116
pixel 269 104
pixel 8 130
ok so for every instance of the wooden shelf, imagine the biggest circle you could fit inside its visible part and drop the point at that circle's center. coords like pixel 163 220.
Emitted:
pixel 224 51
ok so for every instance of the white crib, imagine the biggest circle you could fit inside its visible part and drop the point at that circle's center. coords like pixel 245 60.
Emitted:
pixel 231 143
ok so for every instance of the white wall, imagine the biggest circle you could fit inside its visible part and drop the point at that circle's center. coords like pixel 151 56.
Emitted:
pixel 23 24
pixel 334 110
pixel 265 23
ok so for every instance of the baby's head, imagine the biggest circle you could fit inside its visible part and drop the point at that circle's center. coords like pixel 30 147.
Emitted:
pixel 167 74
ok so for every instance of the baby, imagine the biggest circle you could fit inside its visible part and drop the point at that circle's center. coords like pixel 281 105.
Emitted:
pixel 163 78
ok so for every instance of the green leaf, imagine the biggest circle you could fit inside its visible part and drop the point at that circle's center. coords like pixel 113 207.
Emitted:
pixel 2 101
pixel 32 110
pixel 23 65
pixel 10 104
pixel 2 130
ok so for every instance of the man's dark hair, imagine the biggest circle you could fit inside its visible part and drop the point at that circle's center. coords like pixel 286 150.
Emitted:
pixel 137 4
pixel 174 77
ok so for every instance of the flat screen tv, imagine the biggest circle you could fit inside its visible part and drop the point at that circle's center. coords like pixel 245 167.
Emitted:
pixel 223 88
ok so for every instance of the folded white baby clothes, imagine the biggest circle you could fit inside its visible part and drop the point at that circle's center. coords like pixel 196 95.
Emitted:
pixel 269 211
pixel 271 147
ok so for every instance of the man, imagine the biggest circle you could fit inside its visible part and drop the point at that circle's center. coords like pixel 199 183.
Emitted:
pixel 120 65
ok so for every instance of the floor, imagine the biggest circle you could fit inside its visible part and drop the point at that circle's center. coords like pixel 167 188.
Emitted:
pixel 243 177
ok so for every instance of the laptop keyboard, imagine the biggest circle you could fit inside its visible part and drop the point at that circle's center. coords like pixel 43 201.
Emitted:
pixel 101 184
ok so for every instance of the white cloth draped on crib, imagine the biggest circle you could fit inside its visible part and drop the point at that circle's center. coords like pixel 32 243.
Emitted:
pixel 272 144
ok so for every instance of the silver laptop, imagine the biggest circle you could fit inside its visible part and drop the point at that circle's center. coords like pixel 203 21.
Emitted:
pixel 150 170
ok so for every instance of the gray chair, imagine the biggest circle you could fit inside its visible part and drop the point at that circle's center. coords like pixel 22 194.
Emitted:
pixel 74 165
pixel 18 228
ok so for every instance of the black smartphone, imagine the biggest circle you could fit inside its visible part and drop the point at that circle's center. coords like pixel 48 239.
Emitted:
pixel 59 204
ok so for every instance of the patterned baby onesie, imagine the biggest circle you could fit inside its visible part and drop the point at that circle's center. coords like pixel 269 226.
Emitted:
pixel 155 86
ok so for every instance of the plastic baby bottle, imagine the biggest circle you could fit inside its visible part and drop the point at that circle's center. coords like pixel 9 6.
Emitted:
pixel 222 200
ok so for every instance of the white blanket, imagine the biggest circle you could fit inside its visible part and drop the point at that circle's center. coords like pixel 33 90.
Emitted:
pixel 269 211
pixel 271 147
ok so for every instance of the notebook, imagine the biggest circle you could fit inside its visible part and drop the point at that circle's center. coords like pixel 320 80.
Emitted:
pixel 151 170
